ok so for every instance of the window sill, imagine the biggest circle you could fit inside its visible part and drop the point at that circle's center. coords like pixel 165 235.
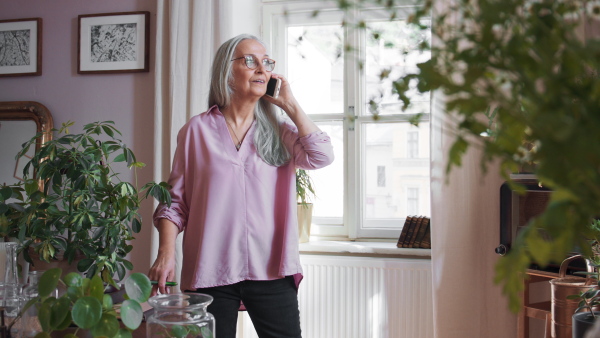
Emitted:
pixel 362 249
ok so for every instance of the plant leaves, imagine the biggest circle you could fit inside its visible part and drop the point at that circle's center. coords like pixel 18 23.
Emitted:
pixel 49 281
pixel 123 333
pixel 44 315
pixel 86 312
pixel 60 310
pixel 131 314
pixel 107 302
pixel 85 264
pixel 73 279
pixel 75 292
pixel 138 287
pixel 108 326
pixel 97 288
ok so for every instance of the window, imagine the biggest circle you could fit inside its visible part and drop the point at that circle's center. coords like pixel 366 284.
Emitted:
pixel 380 176
pixel 363 194
pixel 413 144
pixel 412 201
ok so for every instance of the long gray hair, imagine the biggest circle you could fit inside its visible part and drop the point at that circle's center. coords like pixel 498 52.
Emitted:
pixel 267 137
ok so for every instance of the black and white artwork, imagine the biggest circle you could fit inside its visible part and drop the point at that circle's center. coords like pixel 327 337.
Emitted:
pixel 14 48
pixel 113 43
pixel 20 47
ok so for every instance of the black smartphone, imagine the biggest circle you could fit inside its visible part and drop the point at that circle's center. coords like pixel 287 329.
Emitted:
pixel 273 87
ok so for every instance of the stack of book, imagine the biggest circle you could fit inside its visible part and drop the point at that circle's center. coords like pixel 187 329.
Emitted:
pixel 415 233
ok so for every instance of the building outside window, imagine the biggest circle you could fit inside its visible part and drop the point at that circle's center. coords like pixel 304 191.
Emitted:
pixel 412 201
pixel 413 144
pixel 381 176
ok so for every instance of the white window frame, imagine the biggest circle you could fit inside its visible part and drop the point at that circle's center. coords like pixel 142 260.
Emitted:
pixel 274 34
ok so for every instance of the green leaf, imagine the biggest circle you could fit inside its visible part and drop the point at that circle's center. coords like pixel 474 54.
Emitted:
pixel 108 326
pixel 107 302
pixel 46 335
pixel 108 131
pixel 206 332
pixel 44 315
pixel 138 287
pixel 85 264
pixel 119 158
pixel 131 314
pixel 86 312
pixel 73 279
pixel 66 322
pixel 74 292
pixel 123 333
pixel 178 331
pixel 458 149
pixel 136 226
pixel 60 310
pixel 128 265
pixel 195 330
pixel 97 288
pixel 31 186
pixel 49 281
pixel 5 193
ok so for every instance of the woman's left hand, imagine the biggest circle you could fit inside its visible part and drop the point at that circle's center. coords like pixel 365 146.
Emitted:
pixel 286 99
pixel 290 106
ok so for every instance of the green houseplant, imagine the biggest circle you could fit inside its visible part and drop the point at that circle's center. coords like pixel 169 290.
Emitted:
pixel 589 300
pixel 76 205
pixel 305 193
pixel 86 307
pixel 529 62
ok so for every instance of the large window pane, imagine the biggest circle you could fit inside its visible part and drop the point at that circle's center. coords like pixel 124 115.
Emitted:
pixel 329 181
pixel 316 67
pixel 400 151
pixel 396 51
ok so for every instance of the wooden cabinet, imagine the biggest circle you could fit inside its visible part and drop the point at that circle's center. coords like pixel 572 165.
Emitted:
pixel 537 310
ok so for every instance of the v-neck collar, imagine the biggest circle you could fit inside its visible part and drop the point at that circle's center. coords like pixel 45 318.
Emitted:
pixel 229 143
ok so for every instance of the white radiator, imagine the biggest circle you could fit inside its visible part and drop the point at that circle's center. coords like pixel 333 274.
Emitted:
pixel 362 297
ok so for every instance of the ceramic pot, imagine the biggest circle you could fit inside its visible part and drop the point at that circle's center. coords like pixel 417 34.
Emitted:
pixel 582 322
pixel 304 222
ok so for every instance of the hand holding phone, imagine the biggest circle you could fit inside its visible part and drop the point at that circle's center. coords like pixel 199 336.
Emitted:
pixel 273 87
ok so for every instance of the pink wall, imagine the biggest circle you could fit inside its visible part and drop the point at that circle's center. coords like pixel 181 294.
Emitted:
pixel 127 99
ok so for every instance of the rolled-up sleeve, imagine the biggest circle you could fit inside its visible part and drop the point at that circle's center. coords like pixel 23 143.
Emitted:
pixel 312 151
pixel 178 211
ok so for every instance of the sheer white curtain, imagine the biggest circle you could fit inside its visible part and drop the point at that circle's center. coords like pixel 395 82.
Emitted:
pixel 465 221
pixel 187 35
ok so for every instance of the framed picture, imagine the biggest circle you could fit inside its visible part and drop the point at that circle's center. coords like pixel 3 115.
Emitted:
pixel 113 43
pixel 21 47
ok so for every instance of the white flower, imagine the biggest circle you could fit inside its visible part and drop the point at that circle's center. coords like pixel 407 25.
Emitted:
pixel 593 9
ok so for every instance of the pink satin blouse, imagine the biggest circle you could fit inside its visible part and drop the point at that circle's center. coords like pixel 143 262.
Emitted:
pixel 238 213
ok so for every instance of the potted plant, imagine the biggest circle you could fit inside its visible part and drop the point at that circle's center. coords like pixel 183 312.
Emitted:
pixel 76 206
pixel 589 300
pixel 84 307
pixel 304 193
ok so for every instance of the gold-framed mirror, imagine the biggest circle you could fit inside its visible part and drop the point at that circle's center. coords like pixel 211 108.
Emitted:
pixel 19 122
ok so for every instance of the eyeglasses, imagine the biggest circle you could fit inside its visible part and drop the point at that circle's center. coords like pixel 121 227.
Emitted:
pixel 252 62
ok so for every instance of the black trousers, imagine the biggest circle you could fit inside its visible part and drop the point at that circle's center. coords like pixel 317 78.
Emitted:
pixel 271 305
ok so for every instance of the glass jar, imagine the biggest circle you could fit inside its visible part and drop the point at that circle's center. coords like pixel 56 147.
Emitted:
pixel 30 323
pixel 180 315
pixel 11 300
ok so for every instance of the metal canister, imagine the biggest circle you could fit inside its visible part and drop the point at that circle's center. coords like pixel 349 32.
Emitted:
pixel 563 308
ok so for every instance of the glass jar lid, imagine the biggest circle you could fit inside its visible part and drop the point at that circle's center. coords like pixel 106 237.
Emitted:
pixel 178 301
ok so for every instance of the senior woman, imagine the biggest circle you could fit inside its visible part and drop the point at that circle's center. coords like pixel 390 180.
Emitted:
pixel 233 190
